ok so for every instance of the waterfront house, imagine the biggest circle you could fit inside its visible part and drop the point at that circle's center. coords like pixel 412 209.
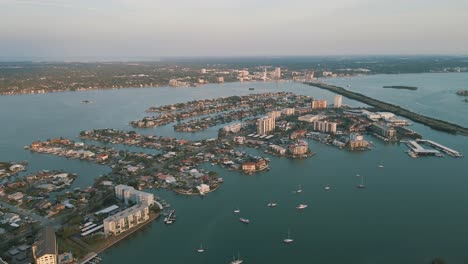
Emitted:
pixel 249 167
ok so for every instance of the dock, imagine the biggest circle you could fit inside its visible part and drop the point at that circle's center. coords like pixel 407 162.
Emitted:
pixel 443 148
pixel 419 150
pixel 91 258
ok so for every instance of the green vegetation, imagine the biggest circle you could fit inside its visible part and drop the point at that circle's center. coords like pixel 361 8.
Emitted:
pixel 397 110
pixel 402 87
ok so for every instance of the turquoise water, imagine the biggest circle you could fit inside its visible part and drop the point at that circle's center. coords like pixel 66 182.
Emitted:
pixel 411 211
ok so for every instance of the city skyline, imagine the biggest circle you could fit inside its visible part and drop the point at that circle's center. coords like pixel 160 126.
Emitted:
pixel 62 29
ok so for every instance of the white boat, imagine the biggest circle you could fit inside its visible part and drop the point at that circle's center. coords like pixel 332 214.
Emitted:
pixel 381 165
pixel 361 185
pixel 288 239
pixel 244 220
pixel 299 189
pixel 200 250
pixel 238 260
pixel 327 188
pixel 302 206
pixel 272 204
pixel 357 175
pixel 237 210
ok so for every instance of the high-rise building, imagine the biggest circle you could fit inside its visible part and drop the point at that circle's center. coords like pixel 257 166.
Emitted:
pixel 338 101
pixel 319 104
pixel 277 73
pixel 324 126
pixel 45 250
pixel 265 125
pixel 288 111
pixel 128 193
pixel 274 114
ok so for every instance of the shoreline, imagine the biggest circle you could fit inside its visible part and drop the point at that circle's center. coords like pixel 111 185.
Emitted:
pixel 110 242
pixel 166 85
pixel 433 123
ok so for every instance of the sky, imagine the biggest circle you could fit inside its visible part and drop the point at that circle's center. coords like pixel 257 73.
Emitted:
pixel 162 28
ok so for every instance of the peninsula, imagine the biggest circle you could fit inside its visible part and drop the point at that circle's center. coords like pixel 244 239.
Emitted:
pixel 397 110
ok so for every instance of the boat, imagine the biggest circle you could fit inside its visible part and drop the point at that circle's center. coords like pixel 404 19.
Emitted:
pixel 244 220
pixel 302 206
pixel 361 185
pixel 251 88
pixel 327 188
pixel 238 260
pixel 272 204
pixel 299 189
pixel 381 165
pixel 170 218
pixel 357 175
pixel 237 210
pixel 200 250
pixel 288 239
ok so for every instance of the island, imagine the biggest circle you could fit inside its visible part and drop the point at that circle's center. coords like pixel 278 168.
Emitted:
pixel 279 124
pixel 462 93
pixel 401 87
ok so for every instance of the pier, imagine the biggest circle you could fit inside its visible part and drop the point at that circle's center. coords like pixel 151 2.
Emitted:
pixel 443 148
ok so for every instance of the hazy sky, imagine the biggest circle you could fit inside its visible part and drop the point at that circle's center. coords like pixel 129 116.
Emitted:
pixel 128 28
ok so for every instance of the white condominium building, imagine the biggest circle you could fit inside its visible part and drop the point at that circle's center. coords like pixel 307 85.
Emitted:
pixel 324 126
pixel 338 101
pixel 265 125
pixel 128 193
pixel 126 219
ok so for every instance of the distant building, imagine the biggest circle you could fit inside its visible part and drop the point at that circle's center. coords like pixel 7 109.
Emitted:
pixel 319 104
pixel 127 219
pixel 248 167
pixel 203 71
pixel 309 118
pixel 239 140
pixel 277 73
pixel 176 83
pixel 338 101
pixel 278 149
pixel 297 134
pixel 265 125
pixel 220 79
pixel 383 130
pixel 45 250
pixel 233 128
pixel 324 126
pixel 299 148
pixel 386 115
pixel 128 193
pixel 288 111
pixel 274 114
pixel 357 141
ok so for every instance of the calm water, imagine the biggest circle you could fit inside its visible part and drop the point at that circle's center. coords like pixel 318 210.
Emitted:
pixel 435 96
pixel 411 210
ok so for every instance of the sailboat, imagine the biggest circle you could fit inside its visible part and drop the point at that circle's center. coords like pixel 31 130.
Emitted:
pixel 288 239
pixel 361 186
pixel 200 250
pixel 271 204
pixel 381 164
pixel 238 260
pixel 299 189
